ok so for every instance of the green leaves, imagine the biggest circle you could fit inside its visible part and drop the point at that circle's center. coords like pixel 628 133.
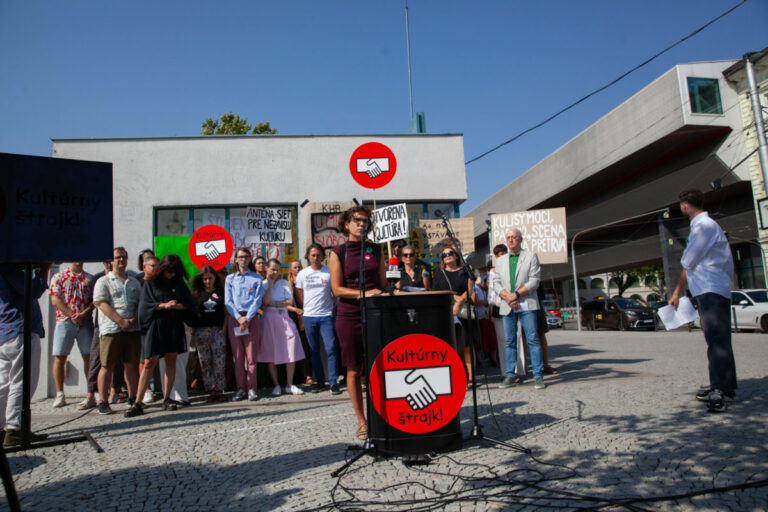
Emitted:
pixel 232 124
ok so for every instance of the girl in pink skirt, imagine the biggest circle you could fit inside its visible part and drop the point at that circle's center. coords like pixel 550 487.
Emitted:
pixel 280 342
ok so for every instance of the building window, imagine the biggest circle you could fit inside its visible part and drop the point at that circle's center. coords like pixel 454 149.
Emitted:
pixel 704 94
pixel 597 283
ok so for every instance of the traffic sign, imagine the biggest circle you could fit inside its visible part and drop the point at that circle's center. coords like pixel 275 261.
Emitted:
pixel 418 383
pixel 210 245
pixel 373 165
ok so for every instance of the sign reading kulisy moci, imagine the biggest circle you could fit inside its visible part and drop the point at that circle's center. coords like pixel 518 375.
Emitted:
pixel 418 383
pixel 268 225
pixel 390 223
pixel 544 232
pixel 54 209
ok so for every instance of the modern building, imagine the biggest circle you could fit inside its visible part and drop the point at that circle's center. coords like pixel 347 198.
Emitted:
pixel 620 177
pixel 167 188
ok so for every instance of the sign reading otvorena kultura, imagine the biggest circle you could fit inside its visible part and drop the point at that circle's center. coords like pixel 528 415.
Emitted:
pixel 55 209
pixel 544 232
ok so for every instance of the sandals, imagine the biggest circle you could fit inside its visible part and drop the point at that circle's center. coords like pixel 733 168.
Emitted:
pixel 213 397
pixel 169 405
pixel 519 380
pixel 548 370
pixel 362 431
pixel 86 404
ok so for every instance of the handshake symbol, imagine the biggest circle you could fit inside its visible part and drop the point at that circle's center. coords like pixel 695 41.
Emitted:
pixel 373 166
pixel 419 386
pixel 211 249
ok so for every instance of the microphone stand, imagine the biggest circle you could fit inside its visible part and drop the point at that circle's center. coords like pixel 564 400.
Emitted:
pixel 477 428
pixel 367 447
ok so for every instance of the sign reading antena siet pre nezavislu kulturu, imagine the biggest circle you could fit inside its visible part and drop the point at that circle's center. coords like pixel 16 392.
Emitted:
pixel 55 209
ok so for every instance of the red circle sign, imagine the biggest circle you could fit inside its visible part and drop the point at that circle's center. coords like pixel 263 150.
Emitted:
pixel 418 383
pixel 210 245
pixel 373 165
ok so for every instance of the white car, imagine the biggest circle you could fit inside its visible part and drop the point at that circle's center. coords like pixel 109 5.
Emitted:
pixel 749 309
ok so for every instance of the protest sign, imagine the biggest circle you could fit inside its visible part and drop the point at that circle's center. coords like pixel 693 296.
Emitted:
pixel 268 225
pixel 544 232
pixel 433 232
pixel 324 228
pixel 390 223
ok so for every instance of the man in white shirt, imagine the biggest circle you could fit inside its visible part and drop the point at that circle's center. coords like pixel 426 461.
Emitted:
pixel 708 272
pixel 313 289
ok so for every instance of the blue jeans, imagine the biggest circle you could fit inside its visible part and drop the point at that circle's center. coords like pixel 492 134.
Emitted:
pixel 530 326
pixel 314 327
pixel 67 332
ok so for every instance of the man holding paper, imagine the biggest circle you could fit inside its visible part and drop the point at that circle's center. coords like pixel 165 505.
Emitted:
pixel 708 273
pixel 515 282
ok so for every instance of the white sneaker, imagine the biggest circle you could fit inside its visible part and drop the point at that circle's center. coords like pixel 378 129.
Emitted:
pixel 59 401
pixel 277 391
pixel 238 396
pixel 149 397
pixel 252 396
pixel 295 390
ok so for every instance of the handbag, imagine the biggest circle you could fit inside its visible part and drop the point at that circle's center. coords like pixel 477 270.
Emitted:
pixel 465 311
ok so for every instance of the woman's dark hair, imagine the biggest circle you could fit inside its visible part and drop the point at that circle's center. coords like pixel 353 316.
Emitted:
pixel 250 259
pixel 693 197
pixel 274 260
pixel 197 282
pixel 172 263
pixel 141 257
pixel 500 249
pixel 314 246
pixel 346 217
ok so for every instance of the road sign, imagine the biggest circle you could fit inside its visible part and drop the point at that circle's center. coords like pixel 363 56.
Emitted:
pixel 210 245
pixel 373 165
pixel 418 383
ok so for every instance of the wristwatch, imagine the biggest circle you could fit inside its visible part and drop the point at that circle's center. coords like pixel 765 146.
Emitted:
pixel 517 294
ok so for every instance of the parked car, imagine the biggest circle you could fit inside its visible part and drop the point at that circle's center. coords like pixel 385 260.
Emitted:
pixel 554 322
pixel 552 307
pixel 621 314
pixel 749 309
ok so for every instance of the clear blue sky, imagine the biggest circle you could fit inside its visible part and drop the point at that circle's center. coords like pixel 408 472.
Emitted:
pixel 487 69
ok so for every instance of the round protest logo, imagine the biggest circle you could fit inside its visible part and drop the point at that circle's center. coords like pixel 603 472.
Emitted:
pixel 210 245
pixel 418 383
pixel 373 165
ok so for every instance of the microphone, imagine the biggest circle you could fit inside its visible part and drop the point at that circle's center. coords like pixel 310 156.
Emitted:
pixel 439 213
pixel 393 272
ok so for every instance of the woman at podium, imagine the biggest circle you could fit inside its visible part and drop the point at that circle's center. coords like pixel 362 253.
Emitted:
pixel 344 266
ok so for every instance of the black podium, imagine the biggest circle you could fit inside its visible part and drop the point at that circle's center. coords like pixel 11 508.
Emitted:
pixel 391 317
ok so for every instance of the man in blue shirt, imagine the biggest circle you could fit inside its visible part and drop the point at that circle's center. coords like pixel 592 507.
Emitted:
pixel 708 272
pixel 12 343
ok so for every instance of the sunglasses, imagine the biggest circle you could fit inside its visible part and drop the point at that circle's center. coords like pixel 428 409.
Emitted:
pixel 448 253
pixel 408 255
pixel 360 220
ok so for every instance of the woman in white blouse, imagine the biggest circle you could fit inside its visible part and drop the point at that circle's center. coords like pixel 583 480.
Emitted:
pixel 280 342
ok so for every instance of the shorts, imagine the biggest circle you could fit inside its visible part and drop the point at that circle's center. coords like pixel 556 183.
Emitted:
pixel 65 334
pixel 120 347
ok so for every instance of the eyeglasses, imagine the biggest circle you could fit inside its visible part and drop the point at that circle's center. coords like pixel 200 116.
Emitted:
pixel 243 257
pixel 408 255
pixel 359 220
pixel 448 253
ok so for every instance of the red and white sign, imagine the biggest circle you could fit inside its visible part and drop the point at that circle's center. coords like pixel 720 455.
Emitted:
pixel 373 165
pixel 210 245
pixel 418 383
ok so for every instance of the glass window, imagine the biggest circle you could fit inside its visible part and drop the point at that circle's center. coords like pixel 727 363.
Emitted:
pixel 704 94
pixel 206 216
pixel 173 222
pixel 597 283
pixel 758 295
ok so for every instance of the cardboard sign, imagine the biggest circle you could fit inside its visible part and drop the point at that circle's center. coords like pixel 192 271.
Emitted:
pixel 390 223
pixel 268 225
pixel 53 209
pixel 544 232
pixel 433 232
pixel 210 245
pixel 373 165
pixel 418 383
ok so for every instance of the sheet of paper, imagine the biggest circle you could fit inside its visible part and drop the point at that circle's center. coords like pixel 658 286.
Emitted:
pixel 523 306
pixel 684 315
pixel 238 332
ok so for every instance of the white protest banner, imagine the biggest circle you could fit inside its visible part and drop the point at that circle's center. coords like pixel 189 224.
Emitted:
pixel 433 232
pixel 268 225
pixel 544 232
pixel 390 223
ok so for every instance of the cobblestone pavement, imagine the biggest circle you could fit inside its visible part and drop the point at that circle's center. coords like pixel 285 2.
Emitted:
pixel 619 421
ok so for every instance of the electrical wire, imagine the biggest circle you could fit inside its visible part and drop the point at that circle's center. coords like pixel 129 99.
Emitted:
pixel 604 87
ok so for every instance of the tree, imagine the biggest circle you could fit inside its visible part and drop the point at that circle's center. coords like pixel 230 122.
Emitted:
pixel 623 279
pixel 231 124
pixel 653 277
